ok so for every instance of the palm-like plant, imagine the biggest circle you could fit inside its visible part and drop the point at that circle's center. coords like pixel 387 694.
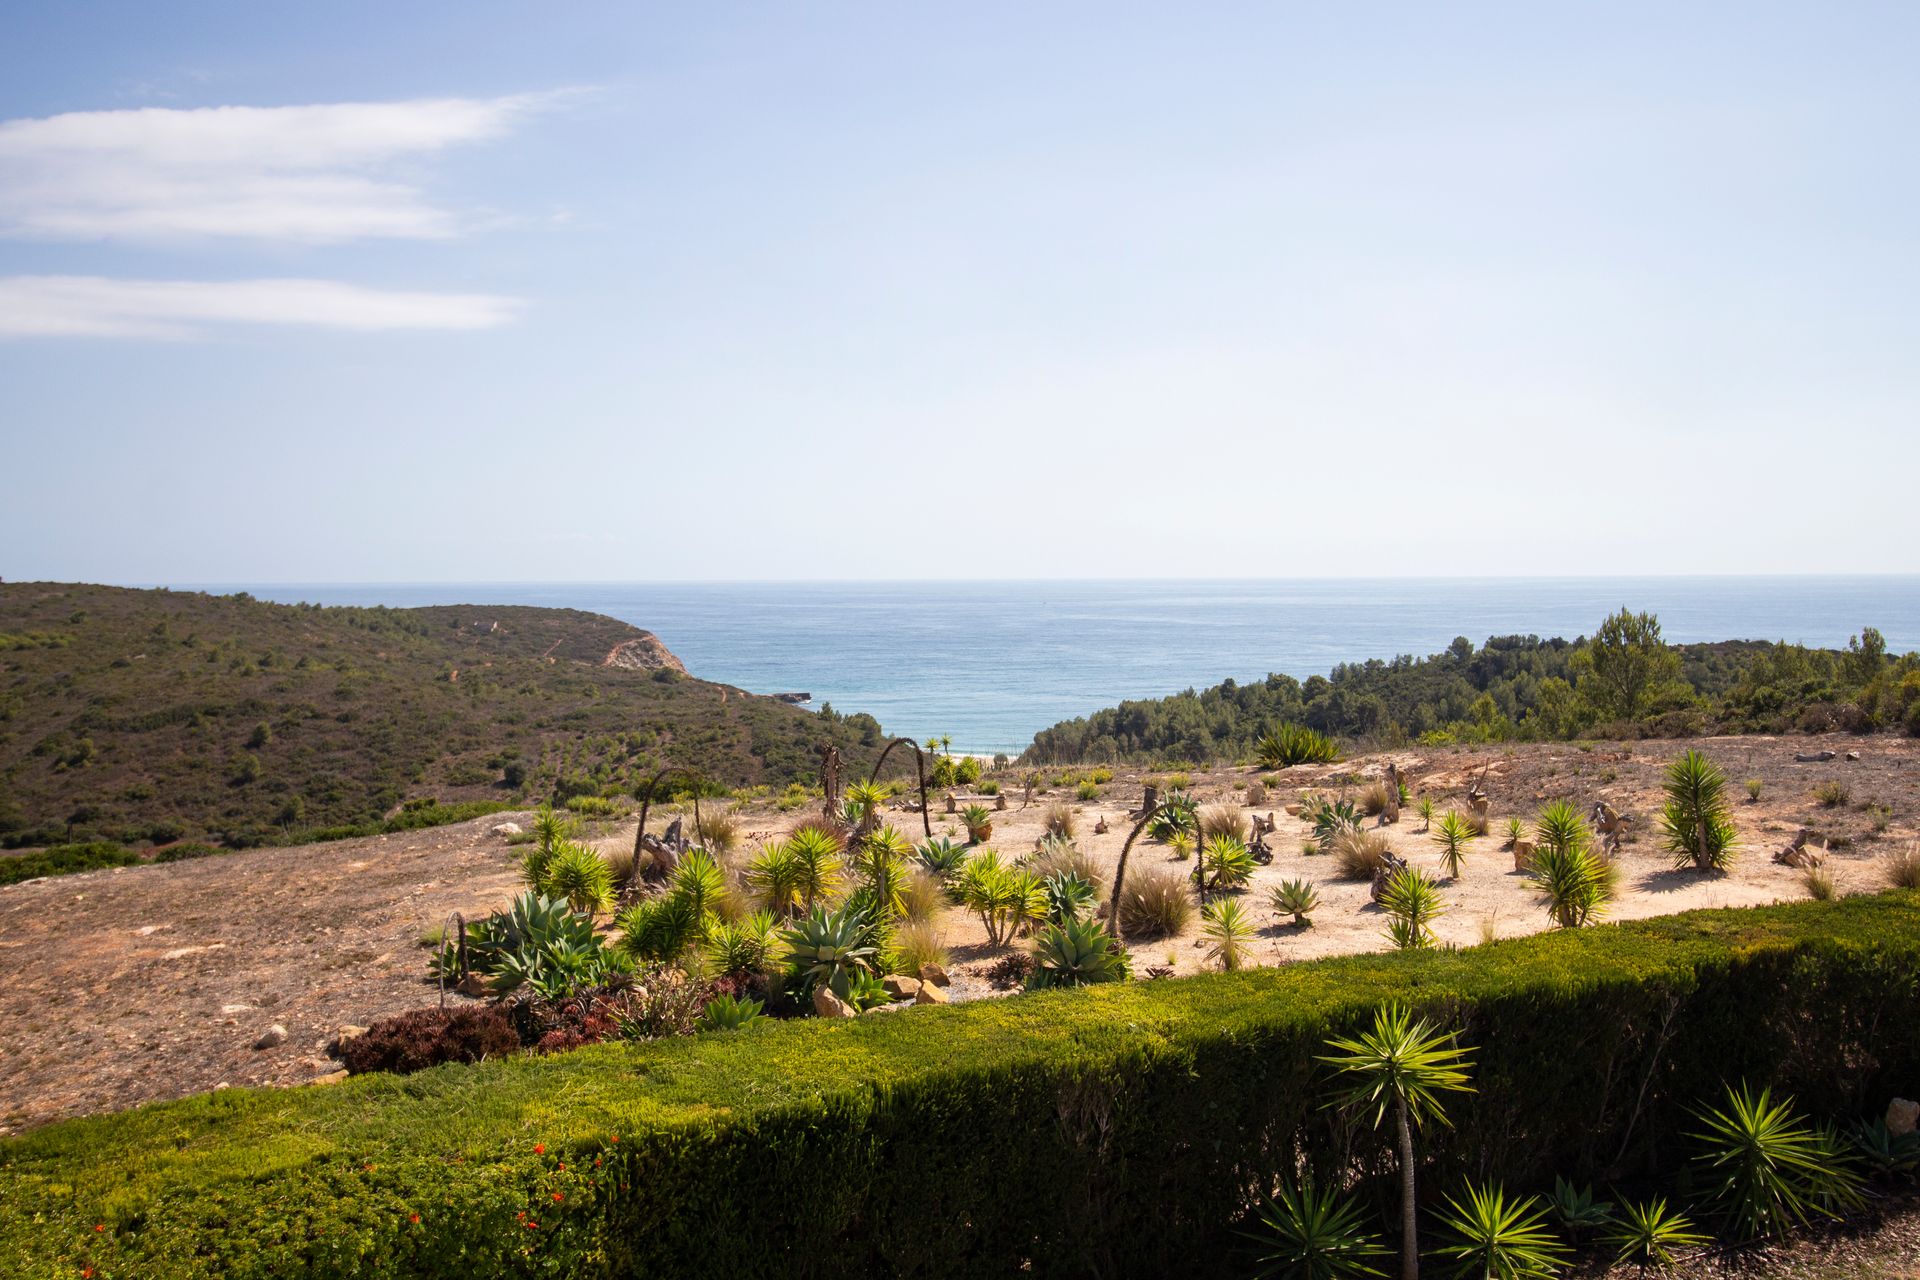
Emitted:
pixel 1767 1170
pixel 1577 883
pixel 1314 1233
pixel 1401 1067
pixel 1560 826
pixel 1648 1234
pixel 1498 1238
pixel 579 875
pixel 1004 897
pixel 1426 813
pixel 660 928
pixel 550 830
pixel 1452 835
pixel 816 852
pixel 1225 863
pixel 1230 930
pixel 829 948
pixel 741 950
pixel 1411 899
pixel 1073 953
pixel 777 878
pixel 1697 823
pixel 700 881
pixel 1296 898
pixel 880 864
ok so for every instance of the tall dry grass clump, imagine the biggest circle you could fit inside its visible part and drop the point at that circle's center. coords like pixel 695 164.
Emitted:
pixel 1375 797
pixel 922 895
pixel 1057 857
pixel 1223 820
pixel 1358 854
pixel 1256 794
pixel 1903 867
pixel 1156 903
pixel 719 830
pixel 1060 820
pixel 916 943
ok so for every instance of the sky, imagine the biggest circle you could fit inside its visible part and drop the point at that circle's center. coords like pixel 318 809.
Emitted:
pixel 600 292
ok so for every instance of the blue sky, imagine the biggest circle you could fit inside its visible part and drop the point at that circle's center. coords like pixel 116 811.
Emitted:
pixel 432 292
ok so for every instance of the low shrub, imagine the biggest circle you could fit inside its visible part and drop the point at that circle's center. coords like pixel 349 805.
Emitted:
pixel 423 1038
pixel 65 859
pixel 1903 867
pixel 1357 854
pixel 1224 820
pixel 185 851
pixel 1060 820
pixel 916 943
pixel 1832 793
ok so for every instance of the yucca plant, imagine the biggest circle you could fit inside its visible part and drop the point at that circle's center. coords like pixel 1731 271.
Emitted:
pixel 1296 898
pixel 550 830
pixel 816 851
pixel 1073 953
pixel 1225 863
pixel 1516 831
pixel 743 949
pixel 1452 836
pixel 1489 1235
pixel 700 881
pixel 1004 897
pixel 879 862
pixel 776 878
pixel 1314 1233
pixel 665 927
pixel 1767 1170
pixel 1426 813
pixel 1696 822
pixel 1576 882
pixel 866 799
pixel 829 948
pixel 1411 899
pixel 1559 825
pixel 579 875
pixel 1649 1234
pixel 1400 1067
pixel 1180 845
pixel 979 823
pixel 727 1013
pixel 1229 931
pixel 867 991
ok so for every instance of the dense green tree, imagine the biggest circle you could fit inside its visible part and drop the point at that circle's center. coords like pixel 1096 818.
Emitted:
pixel 1627 666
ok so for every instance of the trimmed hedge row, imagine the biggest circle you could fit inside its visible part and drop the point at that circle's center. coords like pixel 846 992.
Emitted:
pixel 1116 1130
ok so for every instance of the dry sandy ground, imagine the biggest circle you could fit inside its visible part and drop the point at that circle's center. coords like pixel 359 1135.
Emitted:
pixel 133 984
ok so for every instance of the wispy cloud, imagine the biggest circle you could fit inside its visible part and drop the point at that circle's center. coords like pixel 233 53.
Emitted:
pixel 313 174
pixel 96 307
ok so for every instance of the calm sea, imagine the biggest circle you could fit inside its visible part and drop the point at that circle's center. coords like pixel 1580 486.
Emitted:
pixel 989 663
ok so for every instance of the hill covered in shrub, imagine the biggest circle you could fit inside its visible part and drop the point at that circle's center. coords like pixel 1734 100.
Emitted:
pixel 1622 682
pixel 159 715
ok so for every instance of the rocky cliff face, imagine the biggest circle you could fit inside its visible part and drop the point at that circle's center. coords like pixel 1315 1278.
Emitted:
pixel 643 653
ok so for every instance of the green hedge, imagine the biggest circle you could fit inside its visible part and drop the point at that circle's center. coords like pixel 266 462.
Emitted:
pixel 65 859
pixel 1117 1130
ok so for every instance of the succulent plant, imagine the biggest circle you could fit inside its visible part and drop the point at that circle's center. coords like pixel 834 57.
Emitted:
pixel 1074 953
pixel 829 948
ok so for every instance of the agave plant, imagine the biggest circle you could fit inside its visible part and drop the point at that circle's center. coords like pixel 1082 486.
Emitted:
pixel 579 875
pixel 1073 953
pixel 1577 1208
pixel 1411 899
pixel 1230 931
pixel 1767 1170
pixel 1331 817
pixel 941 856
pixel 866 991
pixel 1293 744
pixel 1648 1234
pixel 1070 896
pixel 1696 822
pixel 1400 1067
pixel 1493 1236
pixel 1225 863
pixel 1314 1233
pixel 1886 1153
pixel 978 820
pixel 728 1013
pixel 529 922
pixel 816 851
pixel 829 948
pixel 1296 898
pixel 1178 814
pixel 1452 836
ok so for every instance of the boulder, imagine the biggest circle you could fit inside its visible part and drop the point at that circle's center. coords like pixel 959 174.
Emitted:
pixel 1813 757
pixel 1902 1116
pixel 901 987
pixel 930 994
pixel 1853 755
pixel 272 1038
pixel 473 986
pixel 332 1077
pixel 829 1005
pixel 934 975
pixel 505 829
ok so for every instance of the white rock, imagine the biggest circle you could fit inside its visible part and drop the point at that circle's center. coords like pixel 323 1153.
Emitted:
pixel 506 829
pixel 273 1037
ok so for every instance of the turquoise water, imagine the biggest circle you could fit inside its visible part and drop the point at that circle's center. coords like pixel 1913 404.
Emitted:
pixel 990 663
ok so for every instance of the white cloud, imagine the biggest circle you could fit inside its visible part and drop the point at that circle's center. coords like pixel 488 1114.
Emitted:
pixel 314 174
pixel 96 307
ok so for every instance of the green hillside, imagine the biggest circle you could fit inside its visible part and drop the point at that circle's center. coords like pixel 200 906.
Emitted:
pixel 158 715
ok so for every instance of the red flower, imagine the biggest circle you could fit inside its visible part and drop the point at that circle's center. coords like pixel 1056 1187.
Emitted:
pixel 99 1226
pixel 596 1164
pixel 557 1197
pixel 562 1166
pixel 539 1148
pixel 414 1219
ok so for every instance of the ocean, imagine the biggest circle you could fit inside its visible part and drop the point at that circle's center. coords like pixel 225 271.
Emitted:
pixel 990 663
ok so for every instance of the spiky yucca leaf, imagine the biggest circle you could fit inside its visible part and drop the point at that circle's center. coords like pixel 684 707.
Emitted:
pixel 1500 1239
pixel 1314 1233
pixel 1696 822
